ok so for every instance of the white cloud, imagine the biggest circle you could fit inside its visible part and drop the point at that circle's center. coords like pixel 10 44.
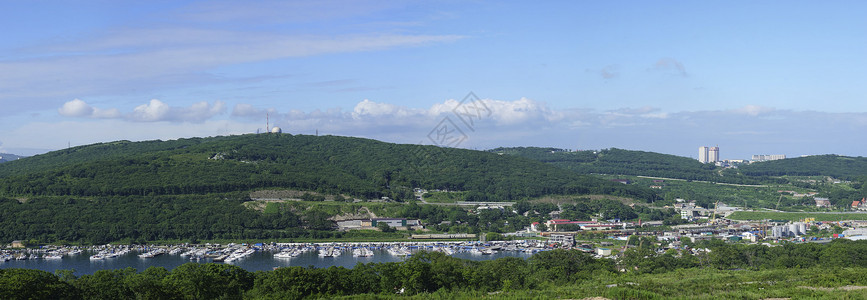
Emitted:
pixel 156 110
pixel 75 108
pixel 200 111
pixel 246 110
pixel 753 110
pixel 521 122
pixel 369 108
pixel 643 112
pixel 79 108
pixel 153 111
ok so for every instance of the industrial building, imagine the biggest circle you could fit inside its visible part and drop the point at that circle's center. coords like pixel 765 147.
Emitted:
pixel 790 230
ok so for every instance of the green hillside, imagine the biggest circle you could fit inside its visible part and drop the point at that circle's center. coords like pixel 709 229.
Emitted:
pixel 5 157
pixel 357 167
pixel 842 167
pixel 627 162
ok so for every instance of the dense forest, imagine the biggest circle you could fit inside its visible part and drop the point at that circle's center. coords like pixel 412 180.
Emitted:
pixel 356 167
pixel 137 219
pixel 615 161
pixel 643 272
pixel 841 167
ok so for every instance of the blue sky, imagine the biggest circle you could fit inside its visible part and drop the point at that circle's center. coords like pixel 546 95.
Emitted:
pixel 775 77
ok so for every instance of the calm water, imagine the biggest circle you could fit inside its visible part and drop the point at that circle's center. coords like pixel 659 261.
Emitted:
pixel 259 261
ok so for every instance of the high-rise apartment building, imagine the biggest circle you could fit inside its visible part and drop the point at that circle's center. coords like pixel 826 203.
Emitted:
pixel 702 154
pixel 708 154
pixel 713 154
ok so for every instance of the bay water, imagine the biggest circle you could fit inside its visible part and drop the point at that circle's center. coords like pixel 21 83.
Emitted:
pixel 258 261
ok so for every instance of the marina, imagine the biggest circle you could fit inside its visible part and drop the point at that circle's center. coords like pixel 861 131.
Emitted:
pixel 252 257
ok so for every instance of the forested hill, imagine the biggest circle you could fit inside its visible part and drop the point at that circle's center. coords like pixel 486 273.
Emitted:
pixel 4 157
pixel 843 167
pixel 328 164
pixel 626 162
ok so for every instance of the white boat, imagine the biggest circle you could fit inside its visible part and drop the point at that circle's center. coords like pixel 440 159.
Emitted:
pixel 53 256
pixel 151 254
pixel 326 252
pixel 399 251
pixel 189 252
pixel 362 252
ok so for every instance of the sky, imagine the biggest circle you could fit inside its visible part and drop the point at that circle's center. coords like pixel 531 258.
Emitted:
pixel 768 77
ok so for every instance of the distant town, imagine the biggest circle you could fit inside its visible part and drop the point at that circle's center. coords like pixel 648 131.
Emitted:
pixel 710 155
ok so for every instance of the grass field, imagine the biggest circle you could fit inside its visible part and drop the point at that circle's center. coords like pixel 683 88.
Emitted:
pixel 815 283
pixel 444 197
pixel 795 216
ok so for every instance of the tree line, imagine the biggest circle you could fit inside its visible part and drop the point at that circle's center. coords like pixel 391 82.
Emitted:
pixel 137 220
pixel 192 218
pixel 837 166
pixel 615 161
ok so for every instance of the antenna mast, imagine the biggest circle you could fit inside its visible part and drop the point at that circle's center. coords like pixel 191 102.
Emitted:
pixel 267 122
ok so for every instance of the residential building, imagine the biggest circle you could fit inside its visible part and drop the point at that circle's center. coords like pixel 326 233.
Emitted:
pixel 603 251
pixel 859 204
pixel 766 157
pixel 687 214
pixel 713 154
pixel 708 155
pixel 702 154
pixel 823 202
pixel 563 239
pixel 391 222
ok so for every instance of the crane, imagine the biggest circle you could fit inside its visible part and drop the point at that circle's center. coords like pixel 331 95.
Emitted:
pixel 713 218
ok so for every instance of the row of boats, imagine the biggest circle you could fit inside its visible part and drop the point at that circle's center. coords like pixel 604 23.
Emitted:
pixel 234 252
pixel 50 255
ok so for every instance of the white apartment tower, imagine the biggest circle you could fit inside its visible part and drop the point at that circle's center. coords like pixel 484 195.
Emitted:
pixel 713 154
pixel 702 154
pixel 708 154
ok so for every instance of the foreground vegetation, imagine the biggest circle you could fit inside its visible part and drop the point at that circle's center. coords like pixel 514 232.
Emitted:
pixel 728 271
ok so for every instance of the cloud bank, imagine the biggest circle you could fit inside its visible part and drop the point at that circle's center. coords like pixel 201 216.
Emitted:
pixel 153 111
pixel 741 132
